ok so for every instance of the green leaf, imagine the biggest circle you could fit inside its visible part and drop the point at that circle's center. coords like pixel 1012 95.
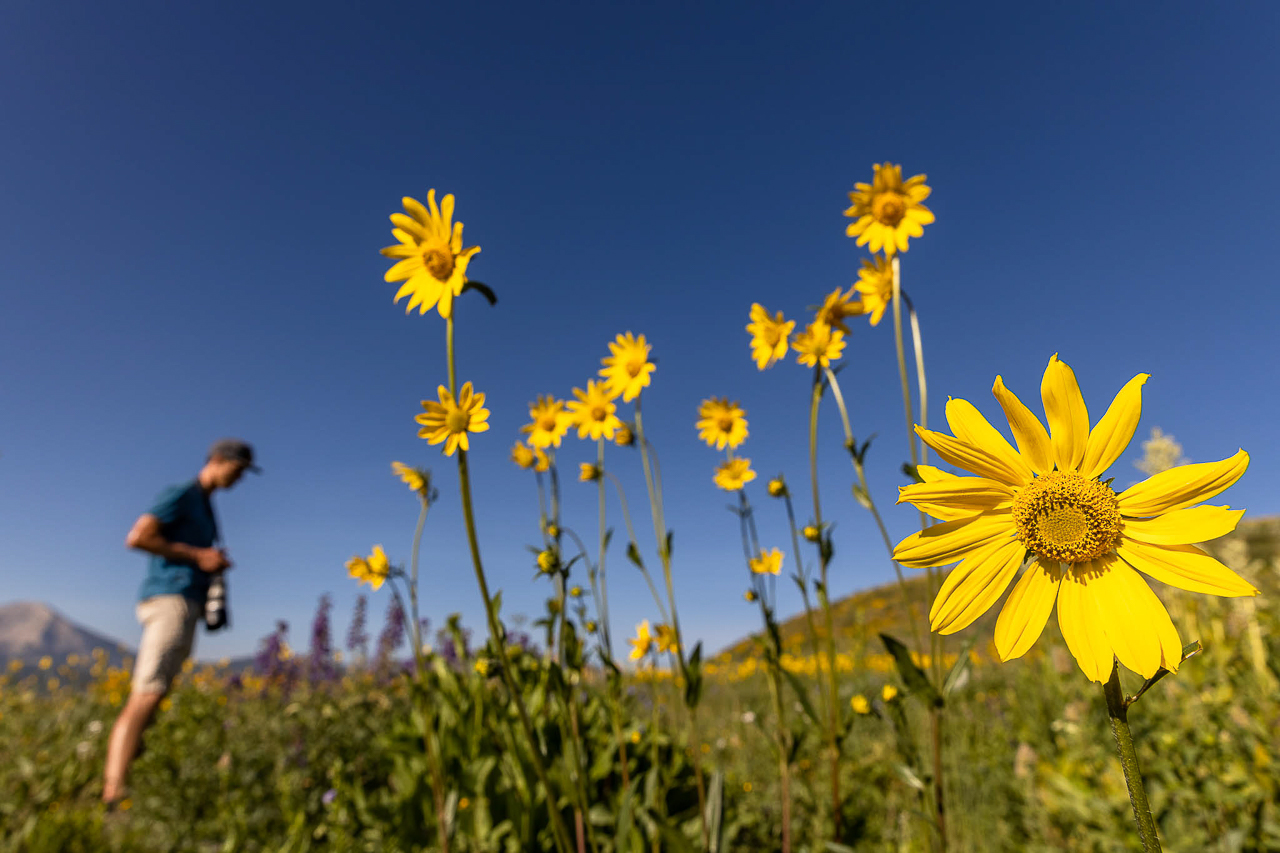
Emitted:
pixel 960 667
pixel 483 289
pixel 715 810
pixel 802 695
pixel 633 554
pixel 861 496
pixel 908 775
pixel 912 676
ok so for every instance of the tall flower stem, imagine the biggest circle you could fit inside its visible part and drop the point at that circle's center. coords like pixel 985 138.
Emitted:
pixel 664 553
pixel 413 585
pixel 496 633
pixel 859 469
pixel 824 558
pixel 804 596
pixel 935 714
pixel 750 547
pixel 603 604
pixel 1118 710
pixel 428 717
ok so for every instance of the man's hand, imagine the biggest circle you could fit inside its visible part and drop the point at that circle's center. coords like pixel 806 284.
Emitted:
pixel 212 559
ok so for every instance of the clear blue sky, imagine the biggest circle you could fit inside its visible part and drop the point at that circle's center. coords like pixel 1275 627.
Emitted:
pixel 194 195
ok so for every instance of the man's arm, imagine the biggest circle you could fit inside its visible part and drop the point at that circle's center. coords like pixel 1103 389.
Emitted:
pixel 147 536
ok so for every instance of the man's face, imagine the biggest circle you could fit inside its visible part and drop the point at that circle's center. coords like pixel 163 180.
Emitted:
pixel 227 472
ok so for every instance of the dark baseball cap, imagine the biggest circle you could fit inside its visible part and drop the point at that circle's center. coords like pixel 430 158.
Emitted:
pixel 235 450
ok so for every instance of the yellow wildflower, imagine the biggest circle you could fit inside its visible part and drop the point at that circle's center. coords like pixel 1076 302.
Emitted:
pixel 777 487
pixel 549 422
pixel 767 562
pixel 1047 497
pixel 836 307
pixel 818 344
pixel 860 704
pixel 768 336
pixel 643 641
pixel 625 436
pixel 665 636
pixel 593 411
pixel 888 210
pixel 450 421
pixel 433 264
pixel 889 693
pixel 812 532
pixel 547 560
pixel 721 423
pixel 374 570
pixel 416 479
pixel 522 455
pixel 482 666
pixel 733 474
pixel 750 595
pixel 627 367
pixel 588 472
pixel 46 662
pixel 875 285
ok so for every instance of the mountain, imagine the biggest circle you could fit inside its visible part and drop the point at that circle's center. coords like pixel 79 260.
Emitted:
pixel 29 630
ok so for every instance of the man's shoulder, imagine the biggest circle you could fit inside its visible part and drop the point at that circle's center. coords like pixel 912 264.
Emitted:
pixel 170 499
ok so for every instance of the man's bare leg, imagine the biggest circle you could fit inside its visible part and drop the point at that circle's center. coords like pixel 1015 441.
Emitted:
pixel 123 745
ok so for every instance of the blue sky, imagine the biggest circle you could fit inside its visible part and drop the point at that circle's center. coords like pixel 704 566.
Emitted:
pixel 194 196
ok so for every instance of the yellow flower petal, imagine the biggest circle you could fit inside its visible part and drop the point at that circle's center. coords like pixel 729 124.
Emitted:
pixel 1184 526
pixel 1033 440
pixel 1068 417
pixel 953 540
pixel 1183 486
pixel 1133 618
pixel 1114 432
pixel 975 459
pixel 930 474
pixel 1081 621
pixel 968 424
pixel 956 497
pixel 1027 609
pixel 1184 566
pixel 975 585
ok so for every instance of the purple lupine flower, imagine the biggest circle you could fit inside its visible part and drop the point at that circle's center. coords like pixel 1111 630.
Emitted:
pixel 329 796
pixel 392 636
pixel 267 662
pixel 320 666
pixel 357 637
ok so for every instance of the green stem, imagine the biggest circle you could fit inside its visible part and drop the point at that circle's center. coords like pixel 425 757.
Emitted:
pixel 804 595
pixel 602 606
pixel 861 473
pixel 413 581
pixel 1118 710
pixel 824 599
pixel 496 633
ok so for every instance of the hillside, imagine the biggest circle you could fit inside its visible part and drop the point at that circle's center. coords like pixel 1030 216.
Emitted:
pixel 1252 550
pixel 30 630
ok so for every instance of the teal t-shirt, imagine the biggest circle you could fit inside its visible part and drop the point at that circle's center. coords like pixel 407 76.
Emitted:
pixel 186 516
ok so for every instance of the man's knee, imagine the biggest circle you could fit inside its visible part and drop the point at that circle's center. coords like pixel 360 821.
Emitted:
pixel 143 704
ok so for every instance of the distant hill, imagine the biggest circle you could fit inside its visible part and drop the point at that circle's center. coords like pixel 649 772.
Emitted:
pixel 29 630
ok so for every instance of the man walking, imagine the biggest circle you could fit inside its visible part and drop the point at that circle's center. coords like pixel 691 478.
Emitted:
pixel 181 534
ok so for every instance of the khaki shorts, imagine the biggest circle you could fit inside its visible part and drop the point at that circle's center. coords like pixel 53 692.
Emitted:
pixel 168 634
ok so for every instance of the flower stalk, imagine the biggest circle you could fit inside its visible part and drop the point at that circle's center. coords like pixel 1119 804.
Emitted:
pixel 1118 711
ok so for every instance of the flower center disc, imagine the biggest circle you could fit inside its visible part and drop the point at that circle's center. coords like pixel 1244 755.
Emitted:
pixel 439 263
pixel 633 368
pixel 889 208
pixel 457 420
pixel 598 413
pixel 1064 517
pixel 547 423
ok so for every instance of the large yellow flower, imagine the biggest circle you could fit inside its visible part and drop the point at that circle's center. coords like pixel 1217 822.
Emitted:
pixel 642 642
pixel 627 367
pixel 450 421
pixel 875 284
pixel 888 211
pixel 433 264
pixel 1046 499
pixel 733 474
pixel 767 562
pixel 721 423
pixel 372 570
pixel 818 344
pixel 768 335
pixel 594 412
pixel 836 307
